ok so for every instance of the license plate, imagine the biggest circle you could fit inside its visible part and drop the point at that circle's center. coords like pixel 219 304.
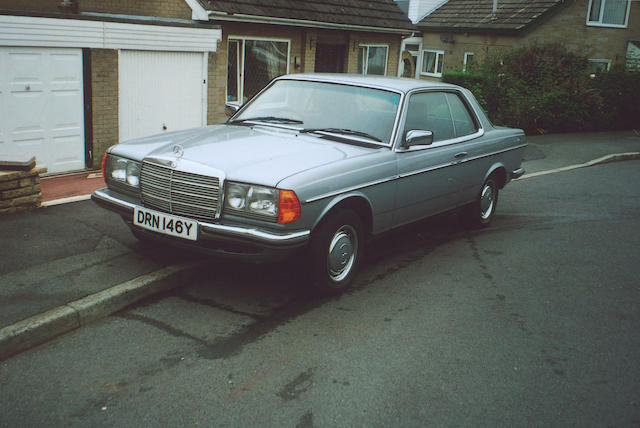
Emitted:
pixel 165 223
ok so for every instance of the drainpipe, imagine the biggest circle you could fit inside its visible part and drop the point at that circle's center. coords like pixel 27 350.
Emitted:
pixel 494 16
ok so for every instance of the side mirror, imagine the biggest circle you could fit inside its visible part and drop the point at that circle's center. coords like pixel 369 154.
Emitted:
pixel 418 137
pixel 231 109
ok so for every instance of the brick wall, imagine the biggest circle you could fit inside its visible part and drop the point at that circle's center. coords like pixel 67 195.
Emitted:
pixel 20 190
pixel 164 8
pixel 480 44
pixel 357 38
pixel 569 27
pixel 218 60
pixel 104 87
pixel 46 6
pixel 303 48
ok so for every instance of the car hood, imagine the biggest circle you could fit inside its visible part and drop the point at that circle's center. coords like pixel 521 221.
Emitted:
pixel 258 154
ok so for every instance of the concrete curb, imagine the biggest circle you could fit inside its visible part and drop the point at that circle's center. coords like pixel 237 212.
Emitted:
pixel 615 157
pixel 40 328
pixel 65 200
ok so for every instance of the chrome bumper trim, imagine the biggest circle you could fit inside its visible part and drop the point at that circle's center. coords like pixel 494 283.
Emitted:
pixel 517 173
pixel 104 196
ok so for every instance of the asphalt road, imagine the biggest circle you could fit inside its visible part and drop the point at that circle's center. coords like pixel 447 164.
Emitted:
pixel 533 322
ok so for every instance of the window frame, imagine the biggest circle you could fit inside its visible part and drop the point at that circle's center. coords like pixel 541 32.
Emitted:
pixel 599 22
pixel 424 56
pixel 465 63
pixel 365 59
pixel 241 61
pixel 600 61
pixel 398 146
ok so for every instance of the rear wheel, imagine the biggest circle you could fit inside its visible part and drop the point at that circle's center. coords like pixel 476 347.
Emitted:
pixel 336 250
pixel 480 213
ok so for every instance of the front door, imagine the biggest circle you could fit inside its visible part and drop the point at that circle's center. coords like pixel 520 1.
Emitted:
pixel 410 53
pixel 429 175
pixel 329 58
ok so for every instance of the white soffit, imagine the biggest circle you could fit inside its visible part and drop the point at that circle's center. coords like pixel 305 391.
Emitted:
pixel 53 32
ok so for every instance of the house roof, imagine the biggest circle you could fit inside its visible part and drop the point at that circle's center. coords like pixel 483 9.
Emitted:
pixel 370 15
pixel 476 15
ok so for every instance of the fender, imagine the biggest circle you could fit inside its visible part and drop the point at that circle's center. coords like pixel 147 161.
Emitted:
pixel 495 167
pixel 356 195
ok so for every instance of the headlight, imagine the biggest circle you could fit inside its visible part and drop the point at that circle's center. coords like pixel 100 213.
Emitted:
pixel 121 171
pixel 252 201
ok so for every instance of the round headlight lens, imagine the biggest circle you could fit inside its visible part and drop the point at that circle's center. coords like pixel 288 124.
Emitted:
pixel 237 197
pixel 133 174
pixel 119 171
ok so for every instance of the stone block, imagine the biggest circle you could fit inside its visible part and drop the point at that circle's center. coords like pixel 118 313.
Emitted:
pixel 30 181
pixel 16 193
pixel 31 200
pixel 7 185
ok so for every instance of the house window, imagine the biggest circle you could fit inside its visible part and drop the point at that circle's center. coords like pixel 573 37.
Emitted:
pixel 608 13
pixel 251 64
pixel 372 59
pixel 468 61
pixel 432 63
pixel 599 65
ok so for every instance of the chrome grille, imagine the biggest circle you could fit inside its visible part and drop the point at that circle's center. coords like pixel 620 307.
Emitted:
pixel 179 192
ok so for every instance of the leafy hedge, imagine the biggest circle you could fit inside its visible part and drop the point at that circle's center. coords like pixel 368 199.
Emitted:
pixel 549 89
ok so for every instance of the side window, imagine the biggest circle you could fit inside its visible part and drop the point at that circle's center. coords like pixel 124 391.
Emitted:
pixel 462 121
pixel 430 111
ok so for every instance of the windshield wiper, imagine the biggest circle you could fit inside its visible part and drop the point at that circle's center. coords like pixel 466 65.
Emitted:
pixel 342 131
pixel 265 119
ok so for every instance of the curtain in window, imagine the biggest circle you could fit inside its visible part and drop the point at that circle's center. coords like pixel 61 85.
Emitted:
pixel 614 12
pixel 595 10
pixel 232 72
pixel 377 60
pixel 429 62
pixel 263 61
pixel 361 53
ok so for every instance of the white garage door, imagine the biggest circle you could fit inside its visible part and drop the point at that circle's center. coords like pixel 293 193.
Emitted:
pixel 160 91
pixel 41 107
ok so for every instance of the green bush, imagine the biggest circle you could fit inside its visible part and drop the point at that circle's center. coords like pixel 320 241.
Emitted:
pixel 549 89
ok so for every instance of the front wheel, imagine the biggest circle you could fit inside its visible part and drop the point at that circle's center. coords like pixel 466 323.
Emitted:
pixel 480 213
pixel 336 250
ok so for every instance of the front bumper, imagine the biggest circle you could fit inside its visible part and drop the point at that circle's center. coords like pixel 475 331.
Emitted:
pixel 247 242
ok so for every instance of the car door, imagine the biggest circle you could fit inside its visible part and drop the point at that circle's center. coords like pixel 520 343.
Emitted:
pixel 428 180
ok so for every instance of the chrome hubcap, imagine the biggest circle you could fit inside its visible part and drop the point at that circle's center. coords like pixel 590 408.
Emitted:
pixel 342 252
pixel 486 202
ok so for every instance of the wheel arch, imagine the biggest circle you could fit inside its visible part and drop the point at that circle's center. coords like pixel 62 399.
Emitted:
pixel 499 172
pixel 357 202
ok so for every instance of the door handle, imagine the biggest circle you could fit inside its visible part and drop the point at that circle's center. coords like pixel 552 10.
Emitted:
pixel 460 155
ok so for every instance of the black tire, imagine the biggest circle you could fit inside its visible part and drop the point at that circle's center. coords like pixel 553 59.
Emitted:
pixel 480 213
pixel 336 250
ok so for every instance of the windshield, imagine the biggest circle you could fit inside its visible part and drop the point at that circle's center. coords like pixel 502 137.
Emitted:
pixel 326 108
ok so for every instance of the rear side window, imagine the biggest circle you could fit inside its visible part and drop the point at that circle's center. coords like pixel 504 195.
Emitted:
pixel 462 120
pixel 442 113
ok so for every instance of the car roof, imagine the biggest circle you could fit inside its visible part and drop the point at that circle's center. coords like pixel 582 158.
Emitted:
pixel 401 84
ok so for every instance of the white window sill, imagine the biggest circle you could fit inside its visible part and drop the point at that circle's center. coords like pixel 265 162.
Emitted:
pixel 598 24
pixel 431 74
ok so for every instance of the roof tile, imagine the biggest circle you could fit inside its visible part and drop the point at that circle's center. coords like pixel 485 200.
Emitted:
pixel 368 13
pixel 477 14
